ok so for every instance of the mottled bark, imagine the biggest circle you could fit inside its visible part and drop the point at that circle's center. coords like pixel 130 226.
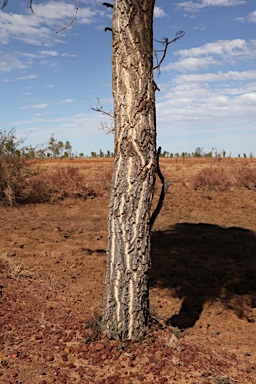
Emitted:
pixel 126 303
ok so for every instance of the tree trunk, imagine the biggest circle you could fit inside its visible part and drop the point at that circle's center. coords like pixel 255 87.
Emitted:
pixel 126 303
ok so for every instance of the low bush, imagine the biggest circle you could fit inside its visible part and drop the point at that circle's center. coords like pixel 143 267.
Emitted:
pixel 246 177
pixel 15 168
pixel 221 178
pixel 212 178
pixel 68 181
pixel 22 181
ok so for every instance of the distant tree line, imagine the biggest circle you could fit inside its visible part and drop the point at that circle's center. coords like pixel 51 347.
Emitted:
pixel 58 149
pixel 9 144
pixel 63 150
pixel 102 154
pixel 198 153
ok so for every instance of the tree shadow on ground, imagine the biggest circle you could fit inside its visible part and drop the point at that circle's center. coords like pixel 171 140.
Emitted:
pixel 202 262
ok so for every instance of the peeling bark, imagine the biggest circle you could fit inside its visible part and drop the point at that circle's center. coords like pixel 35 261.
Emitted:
pixel 126 303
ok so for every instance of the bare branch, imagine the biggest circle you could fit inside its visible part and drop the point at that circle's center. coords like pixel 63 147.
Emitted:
pixel 165 186
pixel 166 42
pixel 156 87
pixel 4 4
pixel 71 22
pixel 104 126
pixel 100 109
pixel 108 5
pixel 31 6
pixel 108 29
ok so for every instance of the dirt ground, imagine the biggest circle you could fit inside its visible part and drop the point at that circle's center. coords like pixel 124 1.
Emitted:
pixel 202 292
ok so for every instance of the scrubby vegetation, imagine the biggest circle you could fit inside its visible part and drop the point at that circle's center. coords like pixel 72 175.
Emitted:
pixel 23 179
pixel 221 178
pixel 49 173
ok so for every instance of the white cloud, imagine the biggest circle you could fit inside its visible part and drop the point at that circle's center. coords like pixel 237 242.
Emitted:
pixel 49 53
pixel 54 12
pixel 20 60
pixel 67 101
pixel 67 55
pixel 28 77
pixel 193 6
pixel 236 47
pixel 200 27
pixel 39 28
pixel 191 64
pixel 71 126
pixel 86 15
pixel 25 28
pixel 48 85
pixel 9 62
pixel 201 103
pixel 252 17
pixel 241 19
pixel 159 12
pixel 219 76
pixel 35 106
pixel 216 53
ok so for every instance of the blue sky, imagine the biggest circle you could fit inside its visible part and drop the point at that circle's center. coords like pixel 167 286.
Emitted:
pixel 207 98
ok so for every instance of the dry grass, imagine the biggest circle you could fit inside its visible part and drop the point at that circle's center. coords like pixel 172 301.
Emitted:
pixel 54 181
pixel 223 380
pixel 212 178
pixel 50 184
pixel 222 178
pixel 15 268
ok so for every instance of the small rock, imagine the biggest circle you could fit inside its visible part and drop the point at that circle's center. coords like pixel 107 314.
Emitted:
pixel 163 380
pixel 158 355
pixel 152 360
pixel 144 360
pixel 13 353
pixel 64 358
pixel 99 346
pixel 49 357
pixel 90 373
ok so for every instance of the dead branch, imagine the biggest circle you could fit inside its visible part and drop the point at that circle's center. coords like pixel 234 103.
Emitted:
pixel 108 5
pixel 165 186
pixel 31 6
pixel 100 109
pixel 104 126
pixel 4 4
pixel 71 22
pixel 166 43
pixel 156 87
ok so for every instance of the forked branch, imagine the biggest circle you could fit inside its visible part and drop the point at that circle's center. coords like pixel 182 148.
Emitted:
pixel 104 126
pixel 101 110
pixel 166 43
pixel 165 186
